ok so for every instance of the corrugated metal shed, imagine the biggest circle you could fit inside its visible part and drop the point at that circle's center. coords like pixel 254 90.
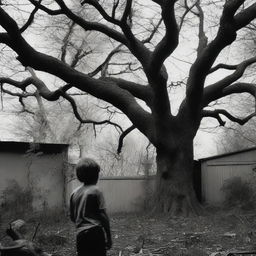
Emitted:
pixel 216 169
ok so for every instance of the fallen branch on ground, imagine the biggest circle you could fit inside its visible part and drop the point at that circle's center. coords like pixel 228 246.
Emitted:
pixel 21 246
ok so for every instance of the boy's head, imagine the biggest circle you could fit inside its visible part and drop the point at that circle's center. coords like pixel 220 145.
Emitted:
pixel 87 171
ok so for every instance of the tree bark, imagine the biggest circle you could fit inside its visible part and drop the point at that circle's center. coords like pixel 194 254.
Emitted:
pixel 174 193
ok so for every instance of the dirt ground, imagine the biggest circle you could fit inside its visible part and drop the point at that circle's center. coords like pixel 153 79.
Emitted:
pixel 156 235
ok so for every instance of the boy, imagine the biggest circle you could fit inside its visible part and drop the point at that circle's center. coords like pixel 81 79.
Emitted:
pixel 87 211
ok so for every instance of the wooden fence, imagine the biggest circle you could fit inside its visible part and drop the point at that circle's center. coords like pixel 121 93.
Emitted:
pixel 122 194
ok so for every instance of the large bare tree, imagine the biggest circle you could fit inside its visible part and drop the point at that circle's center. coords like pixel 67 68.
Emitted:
pixel 171 134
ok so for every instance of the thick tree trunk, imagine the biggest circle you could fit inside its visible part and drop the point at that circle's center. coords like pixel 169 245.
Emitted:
pixel 174 192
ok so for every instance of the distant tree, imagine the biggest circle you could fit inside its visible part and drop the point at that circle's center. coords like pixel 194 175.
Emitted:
pixel 42 121
pixel 149 31
pixel 136 158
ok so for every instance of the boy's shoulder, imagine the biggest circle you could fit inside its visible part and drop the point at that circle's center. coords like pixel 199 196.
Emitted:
pixel 90 189
pixel 76 189
pixel 93 189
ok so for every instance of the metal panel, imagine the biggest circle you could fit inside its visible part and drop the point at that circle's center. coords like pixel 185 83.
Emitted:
pixel 215 175
pixel 236 158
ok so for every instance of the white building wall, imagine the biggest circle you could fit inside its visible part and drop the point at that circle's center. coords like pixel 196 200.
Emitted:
pixel 124 194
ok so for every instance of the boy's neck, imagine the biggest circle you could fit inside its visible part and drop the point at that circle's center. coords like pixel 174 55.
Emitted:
pixel 90 184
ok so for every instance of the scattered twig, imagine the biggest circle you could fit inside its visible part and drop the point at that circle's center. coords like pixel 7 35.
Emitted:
pixel 36 230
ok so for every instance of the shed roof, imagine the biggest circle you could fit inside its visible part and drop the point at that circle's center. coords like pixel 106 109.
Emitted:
pixel 26 147
pixel 227 154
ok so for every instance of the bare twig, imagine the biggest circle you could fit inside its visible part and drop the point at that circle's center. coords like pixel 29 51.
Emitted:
pixel 36 230
pixel 31 17
pixel 216 114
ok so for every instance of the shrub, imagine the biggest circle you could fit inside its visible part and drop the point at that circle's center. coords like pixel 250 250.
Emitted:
pixel 239 193
pixel 16 201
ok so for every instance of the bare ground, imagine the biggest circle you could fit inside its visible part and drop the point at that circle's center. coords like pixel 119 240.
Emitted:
pixel 158 235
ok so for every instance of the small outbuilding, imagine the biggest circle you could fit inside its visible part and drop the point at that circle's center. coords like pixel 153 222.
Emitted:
pixel 32 174
pixel 217 169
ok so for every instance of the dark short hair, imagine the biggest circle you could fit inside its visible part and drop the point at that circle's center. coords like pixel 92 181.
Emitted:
pixel 87 171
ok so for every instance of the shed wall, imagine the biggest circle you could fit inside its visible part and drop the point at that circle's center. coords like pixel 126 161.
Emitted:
pixel 216 171
pixel 43 175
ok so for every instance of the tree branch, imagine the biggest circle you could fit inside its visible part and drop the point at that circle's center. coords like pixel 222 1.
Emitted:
pixel 38 83
pixel 4 38
pixel 129 40
pixel 103 13
pixel 115 5
pixel 24 109
pixel 136 47
pixel 87 121
pixel 122 136
pixel 65 42
pixel 216 89
pixel 240 88
pixel 127 11
pixel 126 70
pixel 170 40
pixel 43 89
pixel 222 66
pixel 38 5
pixel 202 43
pixel 187 10
pixel 200 69
pixel 80 54
pixel 105 90
pixel 231 7
pixel 106 61
pixel 86 25
pixel 21 96
pixel 243 18
pixel 47 94
pixel 31 18
pixel 17 94
pixel 142 92
pixel 155 29
pixel 21 85
pixel 216 114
